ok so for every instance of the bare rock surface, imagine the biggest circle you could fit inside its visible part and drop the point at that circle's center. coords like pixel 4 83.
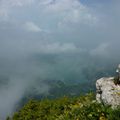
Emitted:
pixel 107 92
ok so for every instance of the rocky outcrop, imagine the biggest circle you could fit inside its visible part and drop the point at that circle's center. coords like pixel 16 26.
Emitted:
pixel 107 92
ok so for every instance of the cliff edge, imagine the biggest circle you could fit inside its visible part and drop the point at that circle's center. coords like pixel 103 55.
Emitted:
pixel 107 92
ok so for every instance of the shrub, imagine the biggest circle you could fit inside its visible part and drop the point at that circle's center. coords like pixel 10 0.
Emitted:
pixel 116 80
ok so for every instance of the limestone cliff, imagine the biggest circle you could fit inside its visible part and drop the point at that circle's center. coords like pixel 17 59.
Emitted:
pixel 107 92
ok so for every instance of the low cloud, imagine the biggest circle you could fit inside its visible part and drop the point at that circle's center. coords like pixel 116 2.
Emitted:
pixel 32 27
pixel 56 48
pixel 53 39
pixel 101 50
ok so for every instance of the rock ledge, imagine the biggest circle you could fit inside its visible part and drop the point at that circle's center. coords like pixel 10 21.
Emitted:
pixel 107 92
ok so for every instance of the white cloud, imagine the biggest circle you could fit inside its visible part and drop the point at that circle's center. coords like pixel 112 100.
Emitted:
pixel 78 17
pixel 3 14
pixel 70 11
pixel 60 12
pixel 59 48
pixel 11 3
pixel 101 50
pixel 32 27
pixel 62 5
pixel 7 6
pixel 45 2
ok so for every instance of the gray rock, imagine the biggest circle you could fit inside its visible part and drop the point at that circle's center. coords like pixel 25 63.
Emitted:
pixel 107 92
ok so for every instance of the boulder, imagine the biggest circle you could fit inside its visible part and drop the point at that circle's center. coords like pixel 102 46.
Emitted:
pixel 107 92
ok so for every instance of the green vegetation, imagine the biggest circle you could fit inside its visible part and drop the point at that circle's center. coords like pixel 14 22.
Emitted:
pixel 116 80
pixel 65 108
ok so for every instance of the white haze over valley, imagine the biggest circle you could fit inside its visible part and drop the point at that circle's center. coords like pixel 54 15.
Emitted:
pixel 53 40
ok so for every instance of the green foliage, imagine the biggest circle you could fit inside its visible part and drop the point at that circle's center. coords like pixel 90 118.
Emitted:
pixel 114 115
pixel 65 108
pixel 8 118
pixel 116 80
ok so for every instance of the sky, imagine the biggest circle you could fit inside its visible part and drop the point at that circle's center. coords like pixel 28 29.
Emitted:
pixel 47 39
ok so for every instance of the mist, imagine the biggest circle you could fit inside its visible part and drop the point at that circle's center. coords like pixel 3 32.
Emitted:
pixel 54 40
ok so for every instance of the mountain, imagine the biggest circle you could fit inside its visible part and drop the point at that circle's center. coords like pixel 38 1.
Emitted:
pixel 86 107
